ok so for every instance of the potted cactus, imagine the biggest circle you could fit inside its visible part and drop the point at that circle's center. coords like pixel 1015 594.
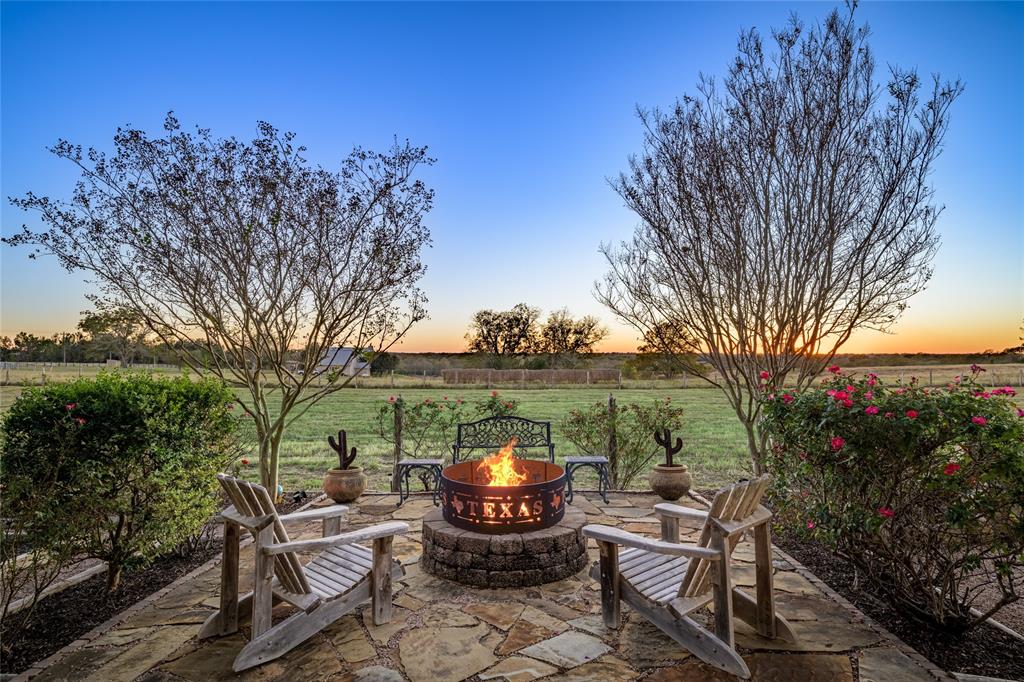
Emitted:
pixel 669 480
pixel 347 482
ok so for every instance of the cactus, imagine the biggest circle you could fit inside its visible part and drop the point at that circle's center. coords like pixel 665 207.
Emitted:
pixel 341 447
pixel 664 439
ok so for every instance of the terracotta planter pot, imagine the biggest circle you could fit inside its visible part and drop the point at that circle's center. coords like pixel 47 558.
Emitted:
pixel 344 485
pixel 670 482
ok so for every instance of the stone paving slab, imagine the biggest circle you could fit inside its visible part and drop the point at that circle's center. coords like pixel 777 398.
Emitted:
pixel 442 631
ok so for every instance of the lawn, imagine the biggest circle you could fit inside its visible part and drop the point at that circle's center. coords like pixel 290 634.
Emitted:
pixel 714 442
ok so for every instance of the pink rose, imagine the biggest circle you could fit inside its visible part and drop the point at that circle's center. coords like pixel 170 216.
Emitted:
pixel 810 525
pixel 871 409
pixel 980 421
pixel 70 406
pixel 889 415
pixel 1020 413
pixel 764 375
pixel 847 404
pixel 886 512
pixel 834 369
pixel 841 395
pixel 787 398
pixel 391 399
pixel 80 421
pixel 838 443
pixel 869 395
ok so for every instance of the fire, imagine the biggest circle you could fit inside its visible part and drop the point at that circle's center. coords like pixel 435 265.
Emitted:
pixel 500 468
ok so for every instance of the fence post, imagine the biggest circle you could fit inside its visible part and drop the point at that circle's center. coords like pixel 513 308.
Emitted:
pixel 488 378
pixel 392 378
pixel 522 379
pixel 620 379
pixel 613 444
pixel 930 382
pixel 399 419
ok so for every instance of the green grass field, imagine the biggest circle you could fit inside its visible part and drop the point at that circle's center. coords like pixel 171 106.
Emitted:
pixel 714 443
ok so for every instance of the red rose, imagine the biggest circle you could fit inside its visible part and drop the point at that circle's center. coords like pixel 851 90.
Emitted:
pixel 765 375
pixel 951 469
pixel 871 409
pixel 80 421
pixel 841 395
pixel 911 414
pixel 886 512
pixel 980 421
pixel 787 398
pixel 838 443
pixel 834 369
pixel 494 394
pixel 245 462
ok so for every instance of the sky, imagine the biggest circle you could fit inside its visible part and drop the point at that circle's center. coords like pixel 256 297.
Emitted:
pixel 529 109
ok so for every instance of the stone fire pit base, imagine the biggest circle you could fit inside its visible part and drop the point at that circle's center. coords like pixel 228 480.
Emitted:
pixel 509 560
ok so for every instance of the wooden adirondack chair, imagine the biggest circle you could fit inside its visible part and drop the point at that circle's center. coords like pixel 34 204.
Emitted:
pixel 665 580
pixel 341 577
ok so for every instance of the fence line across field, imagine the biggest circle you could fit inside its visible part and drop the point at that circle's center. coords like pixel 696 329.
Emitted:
pixel 531 376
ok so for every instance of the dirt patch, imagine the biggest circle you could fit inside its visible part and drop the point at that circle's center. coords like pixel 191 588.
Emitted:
pixel 64 617
pixel 982 651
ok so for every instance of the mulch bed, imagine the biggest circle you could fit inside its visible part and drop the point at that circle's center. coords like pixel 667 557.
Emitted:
pixel 65 616
pixel 982 651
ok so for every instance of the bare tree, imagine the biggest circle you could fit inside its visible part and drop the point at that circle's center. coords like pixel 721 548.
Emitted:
pixel 238 254
pixel 504 333
pixel 781 214
pixel 564 338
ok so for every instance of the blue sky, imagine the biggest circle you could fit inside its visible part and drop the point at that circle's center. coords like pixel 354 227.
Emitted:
pixel 529 108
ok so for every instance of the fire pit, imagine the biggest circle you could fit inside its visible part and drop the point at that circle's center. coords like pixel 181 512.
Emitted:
pixel 503 494
pixel 503 523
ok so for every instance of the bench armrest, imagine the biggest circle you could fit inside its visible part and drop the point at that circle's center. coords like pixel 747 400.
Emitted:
pixel 696 517
pixel 626 539
pixel 315 514
pixel 381 530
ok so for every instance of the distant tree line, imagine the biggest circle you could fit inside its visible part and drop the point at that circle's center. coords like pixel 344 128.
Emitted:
pixel 518 338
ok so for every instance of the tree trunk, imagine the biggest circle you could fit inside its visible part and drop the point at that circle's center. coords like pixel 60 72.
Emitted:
pixel 113 577
pixel 754 444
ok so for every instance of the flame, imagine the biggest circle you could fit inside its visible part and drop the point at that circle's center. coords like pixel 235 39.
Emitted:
pixel 500 468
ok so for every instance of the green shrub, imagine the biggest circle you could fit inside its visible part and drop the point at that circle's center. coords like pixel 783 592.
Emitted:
pixel 588 429
pixel 126 461
pixel 922 489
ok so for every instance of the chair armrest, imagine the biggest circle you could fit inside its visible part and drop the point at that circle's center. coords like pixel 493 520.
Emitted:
pixel 626 539
pixel 315 513
pixel 676 511
pixel 380 530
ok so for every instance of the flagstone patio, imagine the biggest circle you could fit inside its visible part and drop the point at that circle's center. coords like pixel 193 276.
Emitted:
pixel 442 631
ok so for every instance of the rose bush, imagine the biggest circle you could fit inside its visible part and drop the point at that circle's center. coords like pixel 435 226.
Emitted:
pixel 921 489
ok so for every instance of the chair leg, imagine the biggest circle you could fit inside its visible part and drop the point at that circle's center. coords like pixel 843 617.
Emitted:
pixel 610 597
pixel 380 576
pixel 225 620
pixel 604 482
pixel 763 573
pixel 722 587
pixel 568 483
pixel 263 592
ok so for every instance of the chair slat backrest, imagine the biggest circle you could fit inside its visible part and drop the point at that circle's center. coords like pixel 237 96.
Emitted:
pixel 251 499
pixel 734 503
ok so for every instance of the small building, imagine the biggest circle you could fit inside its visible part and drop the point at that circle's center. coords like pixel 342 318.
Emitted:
pixel 349 360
